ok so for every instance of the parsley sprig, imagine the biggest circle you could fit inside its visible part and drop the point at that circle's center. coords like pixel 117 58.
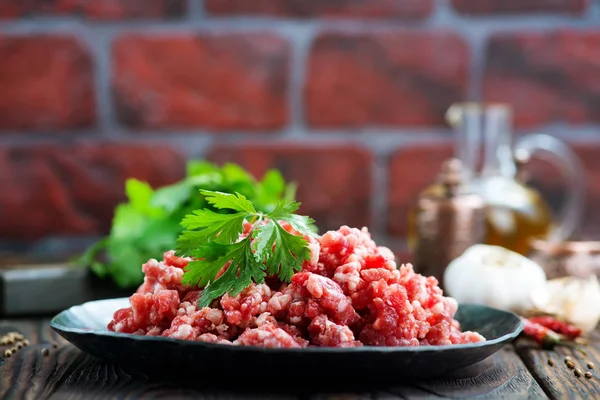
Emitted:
pixel 213 239
pixel 148 223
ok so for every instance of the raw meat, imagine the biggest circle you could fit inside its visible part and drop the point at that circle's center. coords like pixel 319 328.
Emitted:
pixel 350 293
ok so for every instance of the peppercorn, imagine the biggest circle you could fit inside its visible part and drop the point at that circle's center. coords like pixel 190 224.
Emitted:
pixel 570 365
pixel 551 362
pixel 590 365
pixel 588 375
pixel 54 345
pixel 567 359
pixel 577 372
pixel 45 351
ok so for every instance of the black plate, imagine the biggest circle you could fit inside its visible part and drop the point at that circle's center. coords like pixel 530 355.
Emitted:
pixel 85 327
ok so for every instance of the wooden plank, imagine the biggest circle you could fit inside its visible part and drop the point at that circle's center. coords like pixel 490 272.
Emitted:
pixel 66 372
pixel 560 382
pixel 501 376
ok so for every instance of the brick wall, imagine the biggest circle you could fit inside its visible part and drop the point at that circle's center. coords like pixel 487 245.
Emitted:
pixel 347 97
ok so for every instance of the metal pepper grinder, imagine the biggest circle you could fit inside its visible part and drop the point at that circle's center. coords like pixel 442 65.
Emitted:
pixel 447 222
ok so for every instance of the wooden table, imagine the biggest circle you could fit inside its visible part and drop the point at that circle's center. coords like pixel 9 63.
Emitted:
pixel 517 371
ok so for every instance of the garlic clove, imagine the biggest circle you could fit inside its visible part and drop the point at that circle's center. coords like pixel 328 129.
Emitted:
pixel 575 300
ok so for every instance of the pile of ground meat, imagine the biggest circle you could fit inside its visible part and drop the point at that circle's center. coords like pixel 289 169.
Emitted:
pixel 351 293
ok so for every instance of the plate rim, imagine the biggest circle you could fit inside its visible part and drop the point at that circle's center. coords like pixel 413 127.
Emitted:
pixel 508 337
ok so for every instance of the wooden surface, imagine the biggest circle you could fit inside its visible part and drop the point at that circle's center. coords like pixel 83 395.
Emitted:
pixel 515 372
pixel 559 381
pixel 66 372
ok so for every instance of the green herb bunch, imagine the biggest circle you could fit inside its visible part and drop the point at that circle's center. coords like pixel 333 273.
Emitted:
pixel 148 224
pixel 213 239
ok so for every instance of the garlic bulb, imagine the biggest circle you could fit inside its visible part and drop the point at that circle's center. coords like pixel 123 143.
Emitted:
pixel 493 276
pixel 574 300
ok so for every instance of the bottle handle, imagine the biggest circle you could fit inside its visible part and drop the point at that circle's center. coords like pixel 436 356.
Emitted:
pixel 559 153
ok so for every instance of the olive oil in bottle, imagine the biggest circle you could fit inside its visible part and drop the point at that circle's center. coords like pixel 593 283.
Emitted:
pixel 514 212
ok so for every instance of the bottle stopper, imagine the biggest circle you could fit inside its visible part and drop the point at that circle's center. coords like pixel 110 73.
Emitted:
pixel 451 175
pixel 521 157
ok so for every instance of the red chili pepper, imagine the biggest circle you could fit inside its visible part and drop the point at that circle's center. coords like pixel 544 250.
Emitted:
pixel 557 326
pixel 542 335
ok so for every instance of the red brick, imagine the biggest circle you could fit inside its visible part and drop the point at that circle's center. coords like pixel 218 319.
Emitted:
pixel 326 8
pixel 52 190
pixel 46 83
pixel 100 9
pixel 399 78
pixel 482 7
pixel 236 81
pixel 334 181
pixel 547 77
pixel 410 171
pixel 547 178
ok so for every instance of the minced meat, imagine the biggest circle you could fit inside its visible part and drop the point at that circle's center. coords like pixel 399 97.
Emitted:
pixel 350 293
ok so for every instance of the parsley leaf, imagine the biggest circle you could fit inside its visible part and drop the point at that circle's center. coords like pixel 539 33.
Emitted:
pixel 148 223
pixel 209 260
pixel 300 223
pixel 284 210
pixel 227 226
pixel 213 240
pixel 289 253
pixel 222 201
